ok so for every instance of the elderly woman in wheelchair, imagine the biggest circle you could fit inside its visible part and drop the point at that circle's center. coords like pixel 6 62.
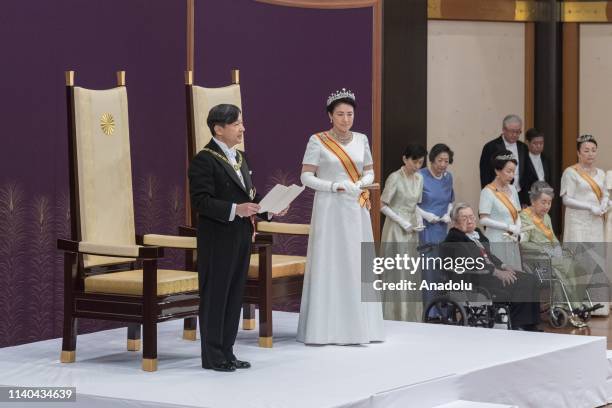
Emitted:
pixel 565 270
pixel 507 292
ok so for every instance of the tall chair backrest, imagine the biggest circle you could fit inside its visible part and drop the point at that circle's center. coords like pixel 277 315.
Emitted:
pixel 199 102
pixel 101 195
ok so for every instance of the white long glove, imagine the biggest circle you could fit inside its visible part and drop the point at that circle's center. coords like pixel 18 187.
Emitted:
pixel 318 184
pixel 491 223
pixel 581 205
pixel 348 186
pixel 427 216
pixel 446 217
pixel 396 217
pixel 367 178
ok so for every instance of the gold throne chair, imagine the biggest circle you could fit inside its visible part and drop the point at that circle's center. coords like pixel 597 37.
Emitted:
pixel 271 277
pixel 109 272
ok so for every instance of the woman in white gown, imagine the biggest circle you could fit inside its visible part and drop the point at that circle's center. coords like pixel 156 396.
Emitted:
pixel 585 197
pixel 337 164
pixel 499 209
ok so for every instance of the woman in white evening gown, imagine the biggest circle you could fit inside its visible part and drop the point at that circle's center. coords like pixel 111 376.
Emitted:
pixel 499 209
pixel 585 197
pixel 337 164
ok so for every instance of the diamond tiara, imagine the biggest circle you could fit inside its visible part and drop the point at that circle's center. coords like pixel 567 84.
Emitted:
pixel 505 157
pixel 585 138
pixel 343 93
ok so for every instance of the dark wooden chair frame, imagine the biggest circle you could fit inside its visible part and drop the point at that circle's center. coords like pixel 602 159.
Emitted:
pixel 147 310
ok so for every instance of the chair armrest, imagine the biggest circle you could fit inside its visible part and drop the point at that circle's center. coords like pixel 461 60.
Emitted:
pixel 119 251
pixel 170 241
pixel 188 231
pixel 283 228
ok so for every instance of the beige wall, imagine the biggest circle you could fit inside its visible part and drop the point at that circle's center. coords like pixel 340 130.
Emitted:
pixel 475 77
pixel 596 88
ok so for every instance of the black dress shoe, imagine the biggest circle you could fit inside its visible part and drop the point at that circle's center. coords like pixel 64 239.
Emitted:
pixel 225 366
pixel 241 364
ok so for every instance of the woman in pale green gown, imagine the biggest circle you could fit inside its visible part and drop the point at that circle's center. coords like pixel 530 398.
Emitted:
pixel 539 237
pixel 402 193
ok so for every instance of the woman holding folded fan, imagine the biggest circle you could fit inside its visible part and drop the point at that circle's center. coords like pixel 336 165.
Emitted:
pixel 499 209
pixel 338 165
pixel 402 193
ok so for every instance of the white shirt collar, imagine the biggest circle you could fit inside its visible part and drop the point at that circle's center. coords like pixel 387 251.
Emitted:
pixel 230 153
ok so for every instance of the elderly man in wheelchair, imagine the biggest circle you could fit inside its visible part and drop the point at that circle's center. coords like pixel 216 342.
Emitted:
pixel 568 271
pixel 498 294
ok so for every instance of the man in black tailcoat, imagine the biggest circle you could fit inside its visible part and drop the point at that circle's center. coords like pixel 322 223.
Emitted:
pixel 224 197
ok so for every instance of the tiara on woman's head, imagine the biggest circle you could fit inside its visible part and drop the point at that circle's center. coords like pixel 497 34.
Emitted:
pixel 505 157
pixel 339 95
pixel 585 138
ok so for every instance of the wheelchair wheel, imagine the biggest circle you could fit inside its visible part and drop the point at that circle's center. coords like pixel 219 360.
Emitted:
pixel 481 316
pixel 558 317
pixel 443 310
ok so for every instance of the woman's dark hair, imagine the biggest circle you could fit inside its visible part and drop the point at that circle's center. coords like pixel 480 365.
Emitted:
pixel 348 101
pixel 222 115
pixel 438 149
pixel 499 159
pixel 585 139
pixel 415 152
pixel 532 133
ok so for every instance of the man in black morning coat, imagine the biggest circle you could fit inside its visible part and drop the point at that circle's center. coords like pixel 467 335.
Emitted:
pixel 223 194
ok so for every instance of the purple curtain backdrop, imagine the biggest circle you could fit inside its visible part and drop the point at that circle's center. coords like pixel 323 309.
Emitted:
pixel 290 59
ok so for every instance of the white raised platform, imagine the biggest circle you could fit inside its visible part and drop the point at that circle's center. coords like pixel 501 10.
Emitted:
pixel 419 365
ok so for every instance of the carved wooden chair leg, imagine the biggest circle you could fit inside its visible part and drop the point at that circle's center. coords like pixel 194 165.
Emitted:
pixel 70 323
pixel 133 337
pixel 149 308
pixel 248 316
pixel 189 328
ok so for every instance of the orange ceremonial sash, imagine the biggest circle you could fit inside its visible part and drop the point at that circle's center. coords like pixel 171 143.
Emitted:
pixel 540 224
pixel 505 201
pixel 592 183
pixel 348 164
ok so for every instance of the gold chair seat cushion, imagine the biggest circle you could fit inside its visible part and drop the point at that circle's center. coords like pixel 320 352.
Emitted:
pixel 282 266
pixel 130 282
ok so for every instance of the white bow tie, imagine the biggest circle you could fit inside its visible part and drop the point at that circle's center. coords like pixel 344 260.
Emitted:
pixel 231 153
pixel 473 235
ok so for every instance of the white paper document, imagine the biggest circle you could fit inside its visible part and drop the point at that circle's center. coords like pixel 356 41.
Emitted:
pixel 279 198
